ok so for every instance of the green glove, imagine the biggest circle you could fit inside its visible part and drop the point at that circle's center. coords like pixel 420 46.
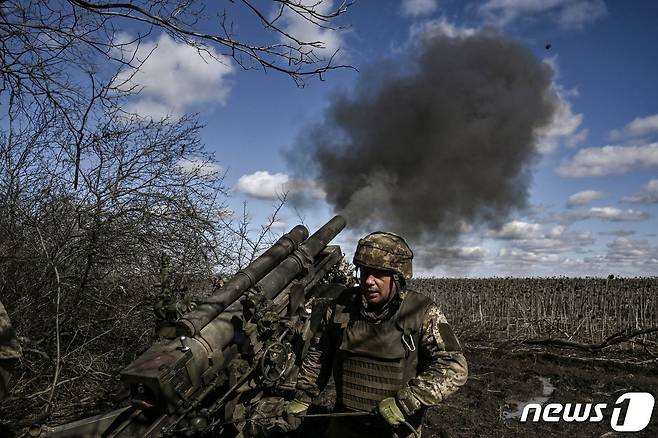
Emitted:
pixel 389 410
pixel 294 413
pixel 296 407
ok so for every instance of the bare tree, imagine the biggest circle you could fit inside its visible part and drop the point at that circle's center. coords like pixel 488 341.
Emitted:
pixel 48 47
pixel 66 55
pixel 78 267
pixel 146 187
pixel 91 195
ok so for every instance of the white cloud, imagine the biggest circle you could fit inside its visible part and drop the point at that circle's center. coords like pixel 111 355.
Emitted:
pixel 647 195
pixel 278 225
pixel 173 77
pixel 624 251
pixel 264 185
pixel 523 248
pixel 300 26
pixel 554 243
pixel 515 256
pixel 522 262
pixel 470 252
pixel 608 160
pixel 199 167
pixel 455 259
pixel 418 7
pixel 532 242
pixel 557 231
pixel 614 214
pixel 149 108
pixel 609 214
pixel 585 197
pixel 517 230
pixel 623 257
pixel 577 138
pixel 575 14
pixel 439 27
pixel 617 233
pixel 640 126
pixel 564 127
pixel 531 249
pixel 551 61
pixel 569 14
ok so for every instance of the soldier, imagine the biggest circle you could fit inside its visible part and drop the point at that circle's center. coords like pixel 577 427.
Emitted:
pixel 9 352
pixel 390 349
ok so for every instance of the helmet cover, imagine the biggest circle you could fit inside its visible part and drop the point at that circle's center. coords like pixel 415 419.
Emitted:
pixel 385 251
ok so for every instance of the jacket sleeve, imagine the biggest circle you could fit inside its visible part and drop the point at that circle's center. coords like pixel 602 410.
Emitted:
pixel 10 352
pixel 315 370
pixel 442 366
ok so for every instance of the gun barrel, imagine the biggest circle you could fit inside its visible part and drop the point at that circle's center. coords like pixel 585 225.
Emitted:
pixel 192 322
pixel 219 333
pixel 277 279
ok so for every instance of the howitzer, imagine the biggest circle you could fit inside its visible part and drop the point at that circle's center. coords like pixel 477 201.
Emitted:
pixel 231 352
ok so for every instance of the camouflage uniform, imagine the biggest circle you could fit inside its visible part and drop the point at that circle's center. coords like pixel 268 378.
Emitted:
pixel 9 352
pixel 406 350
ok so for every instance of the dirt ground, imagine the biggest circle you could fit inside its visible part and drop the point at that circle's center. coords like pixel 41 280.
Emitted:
pixel 503 376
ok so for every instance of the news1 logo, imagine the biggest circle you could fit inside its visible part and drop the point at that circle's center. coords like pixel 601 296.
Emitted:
pixel 631 412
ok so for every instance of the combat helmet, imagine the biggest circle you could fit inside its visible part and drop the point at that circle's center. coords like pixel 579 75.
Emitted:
pixel 385 251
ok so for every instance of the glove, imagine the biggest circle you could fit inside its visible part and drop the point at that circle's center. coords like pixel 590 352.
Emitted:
pixel 389 410
pixel 294 412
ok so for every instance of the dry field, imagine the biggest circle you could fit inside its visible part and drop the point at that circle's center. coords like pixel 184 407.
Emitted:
pixel 582 310
pixel 552 340
pixel 556 340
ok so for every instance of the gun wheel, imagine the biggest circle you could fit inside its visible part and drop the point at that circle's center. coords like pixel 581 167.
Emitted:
pixel 274 362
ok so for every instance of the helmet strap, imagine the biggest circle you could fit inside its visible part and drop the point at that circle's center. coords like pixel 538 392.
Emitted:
pixel 399 282
pixel 396 282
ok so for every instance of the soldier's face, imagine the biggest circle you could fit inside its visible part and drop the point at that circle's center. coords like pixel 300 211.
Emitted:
pixel 376 285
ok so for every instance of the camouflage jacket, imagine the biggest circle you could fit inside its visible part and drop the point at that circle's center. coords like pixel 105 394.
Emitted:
pixel 9 352
pixel 442 368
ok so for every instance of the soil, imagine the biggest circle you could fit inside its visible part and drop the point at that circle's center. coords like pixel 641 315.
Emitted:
pixel 503 378
pixel 500 377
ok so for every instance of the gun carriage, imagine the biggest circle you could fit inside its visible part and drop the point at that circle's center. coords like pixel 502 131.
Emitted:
pixel 234 356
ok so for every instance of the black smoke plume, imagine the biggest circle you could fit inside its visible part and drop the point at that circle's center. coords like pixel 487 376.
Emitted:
pixel 443 142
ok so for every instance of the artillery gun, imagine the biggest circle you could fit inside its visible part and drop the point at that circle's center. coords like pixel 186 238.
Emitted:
pixel 234 356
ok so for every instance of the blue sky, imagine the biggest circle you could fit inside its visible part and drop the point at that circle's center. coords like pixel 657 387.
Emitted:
pixel 593 196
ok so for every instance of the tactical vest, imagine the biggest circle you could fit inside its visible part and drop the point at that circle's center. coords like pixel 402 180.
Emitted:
pixel 376 359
